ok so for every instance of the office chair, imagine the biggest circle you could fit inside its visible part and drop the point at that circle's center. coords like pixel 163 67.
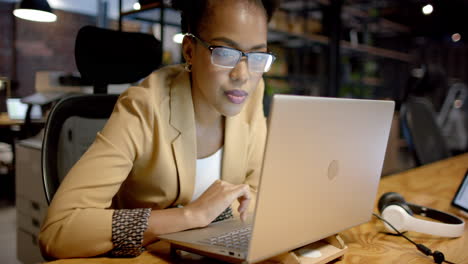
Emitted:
pixel 103 57
pixel 421 131
pixel 70 129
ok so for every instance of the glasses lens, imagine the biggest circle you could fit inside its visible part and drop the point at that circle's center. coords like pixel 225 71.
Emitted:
pixel 225 57
pixel 260 62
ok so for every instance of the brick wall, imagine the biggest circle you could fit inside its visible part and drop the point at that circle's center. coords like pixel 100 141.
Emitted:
pixel 27 47
pixel 46 46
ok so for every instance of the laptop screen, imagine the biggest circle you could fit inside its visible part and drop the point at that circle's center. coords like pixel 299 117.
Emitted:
pixel 17 110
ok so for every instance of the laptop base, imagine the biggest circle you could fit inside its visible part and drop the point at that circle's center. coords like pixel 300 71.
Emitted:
pixel 320 252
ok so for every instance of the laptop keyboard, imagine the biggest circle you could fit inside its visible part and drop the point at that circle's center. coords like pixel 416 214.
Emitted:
pixel 237 239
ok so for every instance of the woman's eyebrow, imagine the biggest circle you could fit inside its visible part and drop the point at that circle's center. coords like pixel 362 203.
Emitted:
pixel 234 44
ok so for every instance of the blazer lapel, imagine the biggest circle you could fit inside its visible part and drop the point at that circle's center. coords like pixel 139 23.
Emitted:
pixel 184 145
pixel 235 150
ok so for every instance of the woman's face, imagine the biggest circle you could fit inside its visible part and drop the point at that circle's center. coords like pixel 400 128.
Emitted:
pixel 236 24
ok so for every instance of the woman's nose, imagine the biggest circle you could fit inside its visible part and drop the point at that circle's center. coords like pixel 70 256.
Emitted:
pixel 240 73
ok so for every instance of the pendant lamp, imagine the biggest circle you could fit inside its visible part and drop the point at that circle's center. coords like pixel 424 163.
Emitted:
pixel 35 10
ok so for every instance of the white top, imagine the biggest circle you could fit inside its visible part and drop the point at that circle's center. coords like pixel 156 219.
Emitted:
pixel 208 171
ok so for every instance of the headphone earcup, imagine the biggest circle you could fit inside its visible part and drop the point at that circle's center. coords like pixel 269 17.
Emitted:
pixel 393 198
pixel 397 217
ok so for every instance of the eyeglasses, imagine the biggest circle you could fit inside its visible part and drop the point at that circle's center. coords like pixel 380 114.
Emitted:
pixel 226 57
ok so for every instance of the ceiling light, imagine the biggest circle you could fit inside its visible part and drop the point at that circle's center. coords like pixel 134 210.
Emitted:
pixel 136 6
pixel 178 38
pixel 35 10
pixel 456 37
pixel 428 9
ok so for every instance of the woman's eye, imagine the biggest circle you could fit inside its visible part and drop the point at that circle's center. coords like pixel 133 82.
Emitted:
pixel 226 54
pixel 258 58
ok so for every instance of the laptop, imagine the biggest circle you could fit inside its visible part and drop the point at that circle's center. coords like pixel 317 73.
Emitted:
pixel 17 110
pixel 321 169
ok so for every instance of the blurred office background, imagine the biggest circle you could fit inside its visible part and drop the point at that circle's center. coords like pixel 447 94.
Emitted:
pixel 411 51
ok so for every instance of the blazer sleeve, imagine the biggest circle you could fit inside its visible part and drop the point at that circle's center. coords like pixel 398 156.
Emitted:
pixel 79 219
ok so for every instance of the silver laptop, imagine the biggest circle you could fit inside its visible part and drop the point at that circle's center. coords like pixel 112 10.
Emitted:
pixel 321 169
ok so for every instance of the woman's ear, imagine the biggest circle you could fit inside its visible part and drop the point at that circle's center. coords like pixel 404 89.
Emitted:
pixel 187 49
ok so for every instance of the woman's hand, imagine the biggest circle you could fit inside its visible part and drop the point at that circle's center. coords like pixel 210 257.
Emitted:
pixel 216 199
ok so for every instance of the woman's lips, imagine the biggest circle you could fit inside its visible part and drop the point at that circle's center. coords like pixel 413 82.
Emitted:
pixel 236 96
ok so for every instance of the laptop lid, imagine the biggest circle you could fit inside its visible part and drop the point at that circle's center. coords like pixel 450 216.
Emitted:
pixel 321 169
pixel 17 110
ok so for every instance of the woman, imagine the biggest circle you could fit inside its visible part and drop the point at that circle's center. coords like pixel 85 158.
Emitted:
pixel 178 150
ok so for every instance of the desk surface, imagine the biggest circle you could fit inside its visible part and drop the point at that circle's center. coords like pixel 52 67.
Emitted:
pixel 432 185
pixel 6 121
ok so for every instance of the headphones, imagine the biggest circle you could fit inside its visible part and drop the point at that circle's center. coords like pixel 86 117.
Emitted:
pixel 393 208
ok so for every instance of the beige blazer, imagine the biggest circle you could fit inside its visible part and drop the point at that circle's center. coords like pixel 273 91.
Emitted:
pixel 145 157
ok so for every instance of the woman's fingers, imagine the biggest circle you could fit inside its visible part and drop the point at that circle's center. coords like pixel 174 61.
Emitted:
pixel 244 201
pixel 219 196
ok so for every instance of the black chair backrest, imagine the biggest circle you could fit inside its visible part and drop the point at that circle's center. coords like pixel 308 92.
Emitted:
pixel 422 132
pixel 106 56
pixel 84 106
pixel 103 57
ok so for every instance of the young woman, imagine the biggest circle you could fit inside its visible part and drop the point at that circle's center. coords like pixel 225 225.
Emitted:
pixel 180 150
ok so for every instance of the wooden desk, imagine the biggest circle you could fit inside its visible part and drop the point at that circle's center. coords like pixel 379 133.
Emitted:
pixel 6 121
pixel 432 185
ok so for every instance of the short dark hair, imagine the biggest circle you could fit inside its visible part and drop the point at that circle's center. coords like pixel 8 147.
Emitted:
pixel 192 11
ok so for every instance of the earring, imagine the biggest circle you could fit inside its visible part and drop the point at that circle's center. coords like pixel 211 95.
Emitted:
pixel 188 67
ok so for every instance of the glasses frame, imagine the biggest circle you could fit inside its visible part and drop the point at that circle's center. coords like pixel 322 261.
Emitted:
pixel 243 54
